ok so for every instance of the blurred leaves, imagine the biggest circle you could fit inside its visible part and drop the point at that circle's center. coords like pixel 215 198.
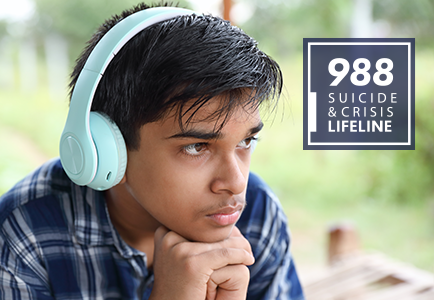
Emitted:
pixel 77 20
pixel 408 19
pixel 280 26
pixel 3 26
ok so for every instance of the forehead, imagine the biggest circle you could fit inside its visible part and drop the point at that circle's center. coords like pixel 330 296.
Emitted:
pixel 240 123
pixel 212 114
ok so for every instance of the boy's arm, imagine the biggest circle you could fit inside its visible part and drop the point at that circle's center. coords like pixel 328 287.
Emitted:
pixel 17 279
pixel 15 288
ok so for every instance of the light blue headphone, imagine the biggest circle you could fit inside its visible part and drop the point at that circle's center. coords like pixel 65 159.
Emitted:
pixel 92 148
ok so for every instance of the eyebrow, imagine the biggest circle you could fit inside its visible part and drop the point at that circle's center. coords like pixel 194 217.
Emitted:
pixel 256 129
pixel 202 135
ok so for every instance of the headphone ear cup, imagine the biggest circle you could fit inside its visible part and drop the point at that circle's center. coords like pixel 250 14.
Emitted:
pixel 111 152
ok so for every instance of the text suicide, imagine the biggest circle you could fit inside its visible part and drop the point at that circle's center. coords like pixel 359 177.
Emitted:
pixel 363 98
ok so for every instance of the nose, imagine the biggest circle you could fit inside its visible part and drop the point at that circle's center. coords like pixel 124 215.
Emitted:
pixel 231 175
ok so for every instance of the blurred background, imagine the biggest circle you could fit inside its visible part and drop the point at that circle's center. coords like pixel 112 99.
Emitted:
pixel 387 195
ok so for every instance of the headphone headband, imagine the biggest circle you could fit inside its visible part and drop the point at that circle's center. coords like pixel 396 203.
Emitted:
pixel 78 153
pixel 122 32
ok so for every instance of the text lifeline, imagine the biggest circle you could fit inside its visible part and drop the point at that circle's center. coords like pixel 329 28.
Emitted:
pixel 360 126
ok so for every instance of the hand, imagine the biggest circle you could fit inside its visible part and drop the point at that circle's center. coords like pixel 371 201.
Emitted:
pixel 193 271
pixel 232 283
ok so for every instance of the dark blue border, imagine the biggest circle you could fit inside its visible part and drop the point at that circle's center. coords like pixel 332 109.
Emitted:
pixel 305 95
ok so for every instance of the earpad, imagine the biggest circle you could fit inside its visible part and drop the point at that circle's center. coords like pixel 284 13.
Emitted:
pixel 111 152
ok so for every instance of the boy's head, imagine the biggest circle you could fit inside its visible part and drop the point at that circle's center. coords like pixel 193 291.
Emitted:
pixel 185 94
pixel 179 65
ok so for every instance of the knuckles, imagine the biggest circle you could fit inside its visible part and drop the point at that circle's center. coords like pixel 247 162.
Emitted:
pixel 243 271
pixel 191 265
pixel 182 251
pixel 169 241
pixel 239 242
pixel 225 253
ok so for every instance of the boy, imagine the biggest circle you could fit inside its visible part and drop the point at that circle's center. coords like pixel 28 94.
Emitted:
pixel 184 95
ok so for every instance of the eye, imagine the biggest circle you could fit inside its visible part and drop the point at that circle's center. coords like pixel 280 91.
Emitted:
pixel 249 142
pixel 195 149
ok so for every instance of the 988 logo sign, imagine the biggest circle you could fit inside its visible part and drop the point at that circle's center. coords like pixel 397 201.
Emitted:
pixel 358 94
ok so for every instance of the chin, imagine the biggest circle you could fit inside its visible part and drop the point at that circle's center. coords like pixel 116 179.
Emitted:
pixel 212 235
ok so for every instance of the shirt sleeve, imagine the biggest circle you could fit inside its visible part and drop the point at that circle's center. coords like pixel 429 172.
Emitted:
pixel 273 275
pixel 18 278
pixel 15 288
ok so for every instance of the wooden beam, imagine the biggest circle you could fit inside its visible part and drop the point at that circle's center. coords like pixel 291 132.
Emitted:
pixel 227 6
pixel 343 240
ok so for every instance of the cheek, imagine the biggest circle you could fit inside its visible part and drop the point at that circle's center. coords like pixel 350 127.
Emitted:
pixel 163 185
pixel 244 158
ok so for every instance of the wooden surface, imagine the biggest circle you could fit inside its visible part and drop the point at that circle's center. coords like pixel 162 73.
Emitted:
pixel 370 277
pixel 355 275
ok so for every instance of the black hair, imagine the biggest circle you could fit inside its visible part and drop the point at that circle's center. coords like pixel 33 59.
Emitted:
pixel 180 63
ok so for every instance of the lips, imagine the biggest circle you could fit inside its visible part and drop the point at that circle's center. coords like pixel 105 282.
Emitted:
pixel 226 216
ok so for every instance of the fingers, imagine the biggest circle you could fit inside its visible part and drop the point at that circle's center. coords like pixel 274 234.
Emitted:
pixel 234 250
pixel 236 232
pixel 167 238
pixel 219 258
pixel 160 233
pixel 232 282
pixel 188 266
pixel 235 240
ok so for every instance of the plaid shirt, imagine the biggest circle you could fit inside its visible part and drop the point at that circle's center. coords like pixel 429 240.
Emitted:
pixel 57 242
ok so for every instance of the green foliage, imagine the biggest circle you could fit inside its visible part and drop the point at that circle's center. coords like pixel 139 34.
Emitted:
pixel 77 20
pixel 280 26
pixel 408 18
pixel 35 116
pixel 30 128
pixel 408 176
pixel 3 26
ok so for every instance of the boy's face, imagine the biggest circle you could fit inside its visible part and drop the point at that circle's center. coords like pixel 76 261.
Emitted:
pixel 194 182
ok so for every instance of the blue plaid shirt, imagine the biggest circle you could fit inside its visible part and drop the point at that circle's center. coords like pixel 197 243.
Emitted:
pixel 57 242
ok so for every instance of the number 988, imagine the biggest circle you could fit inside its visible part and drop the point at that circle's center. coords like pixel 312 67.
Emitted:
pixel 362 71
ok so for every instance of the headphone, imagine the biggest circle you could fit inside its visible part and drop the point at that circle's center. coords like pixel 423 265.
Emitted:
pixel 92 148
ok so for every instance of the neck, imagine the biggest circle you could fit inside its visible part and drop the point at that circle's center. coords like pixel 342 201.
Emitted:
pixel 134 224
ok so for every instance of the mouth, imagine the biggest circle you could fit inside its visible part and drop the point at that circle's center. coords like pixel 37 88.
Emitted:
pixel 227 215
